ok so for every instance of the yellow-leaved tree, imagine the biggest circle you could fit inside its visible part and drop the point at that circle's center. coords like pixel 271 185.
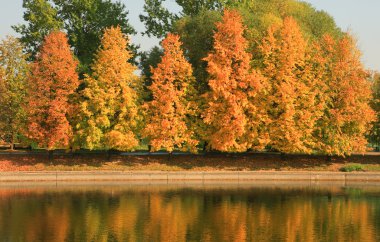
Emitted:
pixel 347 115
pixel 109 111
pixel 13 75
pixel 291 98
pixel 168 114
pixel 233 115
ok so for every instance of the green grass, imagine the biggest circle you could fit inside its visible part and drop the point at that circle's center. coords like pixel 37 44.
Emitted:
pixel 352 167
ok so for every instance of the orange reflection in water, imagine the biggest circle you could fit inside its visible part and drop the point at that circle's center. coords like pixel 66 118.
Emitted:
pixel 172 213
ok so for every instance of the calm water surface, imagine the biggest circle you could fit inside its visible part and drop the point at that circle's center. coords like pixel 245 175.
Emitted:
pixel 190 213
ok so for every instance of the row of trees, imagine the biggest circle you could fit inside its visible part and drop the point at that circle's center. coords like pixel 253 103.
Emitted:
pixel 282 91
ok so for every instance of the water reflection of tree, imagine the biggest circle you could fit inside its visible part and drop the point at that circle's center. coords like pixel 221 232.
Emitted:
pixel 189 215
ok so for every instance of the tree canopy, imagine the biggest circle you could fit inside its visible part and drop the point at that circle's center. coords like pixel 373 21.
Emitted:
pixel 41 18
pixel 83 20
pixel 374 136
pixel 13 70
pixel 232 84
pixel 159 20
pixel 52 80
pixel 347 115
pixel 108 113
pixel 258 15
pixel 230 75
pixel 167 118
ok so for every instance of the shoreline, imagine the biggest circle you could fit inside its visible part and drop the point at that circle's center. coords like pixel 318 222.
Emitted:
pixel 189 176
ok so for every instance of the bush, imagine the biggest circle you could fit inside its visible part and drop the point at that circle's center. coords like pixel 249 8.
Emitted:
pixel 351 168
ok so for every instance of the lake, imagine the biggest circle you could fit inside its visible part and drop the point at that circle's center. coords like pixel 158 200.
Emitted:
pixel 180 212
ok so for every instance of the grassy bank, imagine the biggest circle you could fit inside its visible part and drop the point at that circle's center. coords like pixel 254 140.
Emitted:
pixel 209 162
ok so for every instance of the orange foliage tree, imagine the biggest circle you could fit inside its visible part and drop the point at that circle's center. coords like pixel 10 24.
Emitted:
pixel 291 99
pixel 168 114
pixel 109 112
pixel 347 114
pixel 53 79
pixel 232 114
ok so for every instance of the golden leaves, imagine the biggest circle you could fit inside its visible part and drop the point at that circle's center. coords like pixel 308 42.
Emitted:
pixel 168 113
pixel 109 108
pixel 233 87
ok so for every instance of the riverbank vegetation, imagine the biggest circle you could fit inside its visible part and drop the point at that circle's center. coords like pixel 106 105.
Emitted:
pixel 230 76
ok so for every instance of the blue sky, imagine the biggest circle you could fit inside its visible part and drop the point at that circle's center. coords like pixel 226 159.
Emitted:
pixel 361 18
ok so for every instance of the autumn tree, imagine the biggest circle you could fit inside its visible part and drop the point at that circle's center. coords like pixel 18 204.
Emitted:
pixel 347 114
pixel 14 67
pixel 374 136
pixel 53 79
pixel 2 92
pixel 291 101
pixel 194 21
pixel 168 114
pixel 109 113
pixel 232 116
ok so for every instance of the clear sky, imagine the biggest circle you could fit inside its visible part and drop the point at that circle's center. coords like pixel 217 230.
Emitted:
pixel 361 18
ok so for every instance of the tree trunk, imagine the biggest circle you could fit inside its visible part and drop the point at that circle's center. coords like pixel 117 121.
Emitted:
pixel 205 147
pixel 170 156
pixel 12 145
pixel 50 155
pixel 109 154
pixel 329 158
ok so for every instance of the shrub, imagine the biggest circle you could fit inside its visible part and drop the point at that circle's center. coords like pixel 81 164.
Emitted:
pixel 351 168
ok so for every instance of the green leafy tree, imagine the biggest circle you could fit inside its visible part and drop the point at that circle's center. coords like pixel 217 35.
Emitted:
pixel 148 61
pixel 258 15
pixel 41 18
pixel 374 136
pixel 108 113
pixel 14 69
pixel 196 34
pixel 83 20
pixel 159 20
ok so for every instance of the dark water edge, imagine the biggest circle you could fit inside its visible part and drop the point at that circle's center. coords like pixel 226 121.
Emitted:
pixel 178 211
